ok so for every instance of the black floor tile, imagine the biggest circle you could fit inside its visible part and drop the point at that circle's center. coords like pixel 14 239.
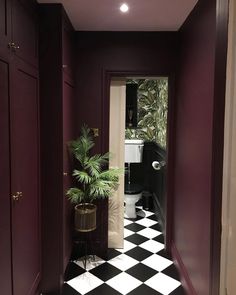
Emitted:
pixel 144 290
pixel 157 227
pixel 135 227
pixel 139 253
pixel 172 272
pixel 178 291
pixel 68 290
pixel 153 217
pixel 103 290
pixel 136 239
pixel 159 239
pixel 141 213
pixel 105 271
pixel 163 253
pixel 141 272
pixel 72 271
pixel 112 253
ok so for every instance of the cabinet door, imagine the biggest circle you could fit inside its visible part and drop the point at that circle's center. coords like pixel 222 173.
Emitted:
pixel 25 30
pixel 68 50
pixel 68 135
pixel 5 230
pixel 25 180
pixel 5 33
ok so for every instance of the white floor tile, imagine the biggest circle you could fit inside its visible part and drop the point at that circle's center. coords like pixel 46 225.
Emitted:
pixel 149 233
pixel 127 232
pixel 127 246
pixel 124 283
pixel 157 262
pixel 152 246
pixel 162 283
pixel 146 222
pixel 127 222
pixel 85 283
pixel 90 263
pixel 147 213
pixel 123 262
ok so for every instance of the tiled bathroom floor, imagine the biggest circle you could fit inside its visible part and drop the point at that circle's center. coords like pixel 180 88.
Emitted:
pixel 141 268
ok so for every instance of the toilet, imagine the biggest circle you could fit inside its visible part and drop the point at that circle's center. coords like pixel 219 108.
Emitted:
pixel 133 191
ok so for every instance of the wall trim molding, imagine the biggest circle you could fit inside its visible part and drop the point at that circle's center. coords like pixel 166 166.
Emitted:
pixel 184 277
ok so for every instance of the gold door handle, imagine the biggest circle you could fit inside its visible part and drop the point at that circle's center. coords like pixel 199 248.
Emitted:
pixel 65 173
pixel 17 196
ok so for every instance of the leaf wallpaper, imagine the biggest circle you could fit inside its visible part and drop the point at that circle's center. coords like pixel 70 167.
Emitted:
pixel 152 111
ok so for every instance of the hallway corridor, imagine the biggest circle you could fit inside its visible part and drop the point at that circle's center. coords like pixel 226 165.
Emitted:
pixel 142 267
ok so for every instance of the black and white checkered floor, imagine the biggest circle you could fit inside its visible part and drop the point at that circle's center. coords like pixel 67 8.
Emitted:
pixel 142 267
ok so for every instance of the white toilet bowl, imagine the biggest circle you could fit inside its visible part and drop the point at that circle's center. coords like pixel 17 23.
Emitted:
pixel 130 201
pixel 133 193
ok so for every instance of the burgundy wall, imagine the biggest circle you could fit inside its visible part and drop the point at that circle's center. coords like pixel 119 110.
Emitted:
pixel 99 54
pixel 195 101
pixel 120 51
pixel 191 56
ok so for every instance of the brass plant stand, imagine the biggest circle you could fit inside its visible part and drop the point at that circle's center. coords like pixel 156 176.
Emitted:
pixel 85 222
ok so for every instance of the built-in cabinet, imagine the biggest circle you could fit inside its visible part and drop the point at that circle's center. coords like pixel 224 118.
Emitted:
pixel 57 107
pixel 20 234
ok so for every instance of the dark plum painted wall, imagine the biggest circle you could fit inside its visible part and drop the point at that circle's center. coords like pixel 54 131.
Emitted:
pixel 98 52
pixel 191 56
pixel 192 226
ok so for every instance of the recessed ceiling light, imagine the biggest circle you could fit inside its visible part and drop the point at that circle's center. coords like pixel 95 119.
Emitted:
pixel 124 8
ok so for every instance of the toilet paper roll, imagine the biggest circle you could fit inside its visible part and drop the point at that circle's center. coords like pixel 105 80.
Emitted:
pixel 156 165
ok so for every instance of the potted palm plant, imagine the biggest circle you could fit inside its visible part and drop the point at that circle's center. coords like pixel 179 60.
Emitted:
pixel 93 180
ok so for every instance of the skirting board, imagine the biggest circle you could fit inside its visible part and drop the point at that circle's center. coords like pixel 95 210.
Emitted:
pixel 185 280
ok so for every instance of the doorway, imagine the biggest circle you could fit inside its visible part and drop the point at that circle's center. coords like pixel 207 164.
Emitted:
pixel 146 118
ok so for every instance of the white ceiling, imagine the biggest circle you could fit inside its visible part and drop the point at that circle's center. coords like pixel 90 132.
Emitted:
pixel 143 15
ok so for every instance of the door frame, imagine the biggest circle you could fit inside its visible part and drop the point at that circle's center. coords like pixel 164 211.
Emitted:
pixel 222 18
pixel 107 76
pixel 228 259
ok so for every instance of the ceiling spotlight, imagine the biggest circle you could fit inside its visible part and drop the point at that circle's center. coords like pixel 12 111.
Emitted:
pixel 124 8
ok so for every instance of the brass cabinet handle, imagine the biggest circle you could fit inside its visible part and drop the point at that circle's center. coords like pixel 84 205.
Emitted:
pixel 13 46
pixel 17 196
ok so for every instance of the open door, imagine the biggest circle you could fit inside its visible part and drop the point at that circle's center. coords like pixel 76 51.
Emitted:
pixel 117 148
pixel 228 241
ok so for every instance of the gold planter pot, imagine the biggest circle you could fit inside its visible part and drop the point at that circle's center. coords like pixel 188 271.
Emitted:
pixel 85 217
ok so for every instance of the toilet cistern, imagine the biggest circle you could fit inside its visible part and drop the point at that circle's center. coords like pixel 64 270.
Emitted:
pixel 133 150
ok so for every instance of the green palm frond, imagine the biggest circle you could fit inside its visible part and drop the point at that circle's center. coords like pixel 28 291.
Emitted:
pixel 100 188
pixel 111 174
pixel 93 181
pixel 81 147
pixel 75 195
pixel 82 176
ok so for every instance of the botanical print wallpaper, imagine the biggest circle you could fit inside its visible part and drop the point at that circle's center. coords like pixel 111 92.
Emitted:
pixel 152 111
